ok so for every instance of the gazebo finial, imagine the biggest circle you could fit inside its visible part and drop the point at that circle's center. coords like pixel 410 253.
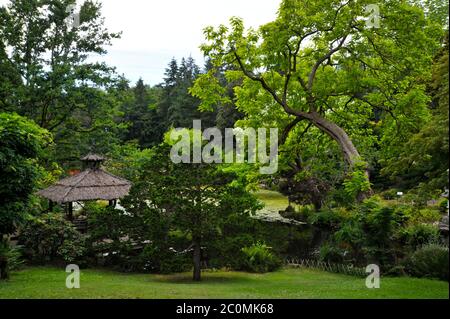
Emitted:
pixel 92 161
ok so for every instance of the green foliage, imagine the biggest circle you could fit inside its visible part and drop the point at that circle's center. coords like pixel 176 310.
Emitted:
pixel 195 199
pixel 326 219
pixel 21 144
pixel 443 206
pixel 366 235
pixel 50 237
pixel 421 159
pixel 429 261
pixel 318 73
pixel 177 106
pixel 146 125
pixel 302 213
pixel 331 254
pixel 21 148
pixel 164 261
pixel 350 100
pixel 390 194
pixel 226 252
pixel 10 259
pixel 259 258
pixel 410 208
pixel 72 250
pixel 377 232
pixel 108 231
pixel 49 77
pixel 107 223
pixel 357 182
pixel 138 240
pixel 426 215
pixel 126 159
pixel 57 77
pixel 419 234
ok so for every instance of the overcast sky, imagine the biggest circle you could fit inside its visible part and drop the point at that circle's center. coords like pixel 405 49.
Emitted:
pixel 155 31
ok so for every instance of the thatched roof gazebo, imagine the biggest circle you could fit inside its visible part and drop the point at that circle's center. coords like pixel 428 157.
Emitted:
pixel 93 183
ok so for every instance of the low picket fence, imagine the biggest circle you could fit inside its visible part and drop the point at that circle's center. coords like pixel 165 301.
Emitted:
pixel 326 266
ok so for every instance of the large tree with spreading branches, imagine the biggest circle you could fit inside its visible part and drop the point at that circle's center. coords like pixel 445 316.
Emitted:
pixel 334 65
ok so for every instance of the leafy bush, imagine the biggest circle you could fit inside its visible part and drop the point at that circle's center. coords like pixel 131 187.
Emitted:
pixel 426 215
pixel 331 254
pixel 443 206
pixel 21 146
pixel 304 211
pixel 108 229
pixel 226 252
pixel 300 213
pixel 390 194
pixel 164 261
pixel 404 212
pixel 10 259
pixel 259 258
pixel 429 261
pixel 418 235
pixel 327 219
pixel 357 182
pixel 396 271
pixel 72 250
pixel 138 241
pixel 367 236
pixel 50 237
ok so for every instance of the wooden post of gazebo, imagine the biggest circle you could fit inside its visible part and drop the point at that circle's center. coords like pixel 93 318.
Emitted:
pixel 93 183
pixel 70 211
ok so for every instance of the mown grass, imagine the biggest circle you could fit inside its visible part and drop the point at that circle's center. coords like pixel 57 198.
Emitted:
pixel 47 282
pixel 273 202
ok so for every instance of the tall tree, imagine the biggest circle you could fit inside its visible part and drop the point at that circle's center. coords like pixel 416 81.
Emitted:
pixel 196 199
pixel 21 144
pixel 135 111
pixel 421 162
pixel 329 68
pixel 48 76
pixel 50 55
pixel 177 106
pixel 146 124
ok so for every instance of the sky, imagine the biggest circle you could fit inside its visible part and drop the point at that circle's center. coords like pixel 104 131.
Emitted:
pixel 156 31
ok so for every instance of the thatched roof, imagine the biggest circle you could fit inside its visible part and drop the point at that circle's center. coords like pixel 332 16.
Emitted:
pixel 90 184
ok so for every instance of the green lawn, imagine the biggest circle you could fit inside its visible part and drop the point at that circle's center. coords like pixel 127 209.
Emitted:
pixel 274 201
pixel 45 282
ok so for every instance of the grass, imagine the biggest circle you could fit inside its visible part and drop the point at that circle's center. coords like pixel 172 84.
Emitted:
pixel 274 201
pixel 46 282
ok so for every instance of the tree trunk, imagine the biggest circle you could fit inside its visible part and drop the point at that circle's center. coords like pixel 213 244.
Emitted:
pixel 3 267
pixel 3 258
pixel 70 211
pixel 197 259
pixel 349 151
pixel 351 154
